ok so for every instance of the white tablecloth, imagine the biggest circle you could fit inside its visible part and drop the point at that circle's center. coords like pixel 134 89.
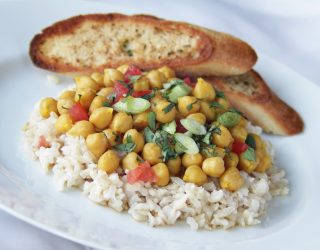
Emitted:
pixel 286 30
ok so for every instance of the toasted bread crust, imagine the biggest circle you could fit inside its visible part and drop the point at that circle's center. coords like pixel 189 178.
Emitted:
pixel 218 53
pixel 259 103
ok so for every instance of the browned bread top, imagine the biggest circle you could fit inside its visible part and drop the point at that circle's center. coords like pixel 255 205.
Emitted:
pixel 251 95
pixel 87 43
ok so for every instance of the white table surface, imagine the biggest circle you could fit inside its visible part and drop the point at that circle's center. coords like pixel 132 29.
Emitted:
pixel 286 30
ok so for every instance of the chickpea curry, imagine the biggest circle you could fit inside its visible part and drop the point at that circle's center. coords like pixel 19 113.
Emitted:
pixel 154 125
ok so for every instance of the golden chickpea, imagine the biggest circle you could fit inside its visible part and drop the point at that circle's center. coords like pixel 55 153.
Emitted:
pixel 156 78
pixel 208 111
pixel 123 68
pixel 101 117
pixel 109 161
pixel 231 179
pixel 112 136
pixel 162 172
pixel 259 143
pixel 48 105
pixel 105 92
pixel 264 161
pixel 247 165
pixel 141 84
pixel 219 152
pixel 131 161
pixel 231 160
pixel 82 128
pixel 163 113
pixel 157 98
pixel 121 122
pixel 194 174
pixel 68 94
pixel 174 165
pixel 243 122
pixel 97 144
pixel 64 105
pixel 98 78
pixel 140 121
pixel 222 139
pixel 195 159
pixel 199 117
pixel 188 105
pixel 204 90
pixel 136 137
pixel 213 166
pixel 96 103
pixel 239 133
pixel 63 124
pixel 84 97
pixel 86 82
pixel 112 75
pixel 168 72
pixel 152 153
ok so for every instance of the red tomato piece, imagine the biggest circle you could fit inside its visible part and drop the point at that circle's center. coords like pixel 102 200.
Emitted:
pixel 189 82
pixel 43 142
pixel 141 93
pixel 78 113
pixel 143 173
pixel 239 147
pixel 120 91
pixel 180 128
pixel 131 71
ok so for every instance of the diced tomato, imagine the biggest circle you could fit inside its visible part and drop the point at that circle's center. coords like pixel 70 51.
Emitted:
pixel 78 113
pixel 180 128
pixel 43 142
pixel 143 172
pixel 131 71
pixel 141 93
pixel 189 82
pixel 239 147
pixel 120 91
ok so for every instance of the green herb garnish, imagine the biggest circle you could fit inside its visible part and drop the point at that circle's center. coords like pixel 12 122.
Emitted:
pixel 133 79
pixel 169 107
pixel 189 106
pixel 215 129
pixel 106 104
pixel 127 147
pixel 249 154
pixel 148 134
pixel 166 142
pixel 220 94
pixel 250 141
pixel 152 120
pixel 215 105
pixel 208 150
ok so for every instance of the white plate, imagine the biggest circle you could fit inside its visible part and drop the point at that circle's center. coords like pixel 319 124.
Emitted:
pixel 26 192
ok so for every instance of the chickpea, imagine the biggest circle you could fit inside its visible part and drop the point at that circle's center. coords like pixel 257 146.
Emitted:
pixel 101 117
pixel 243 122
pixel 156 78
pixel 188 105
pixel 84 97
pixel 163 115
pixel 68 94
pixel 63 124
pixel 136 137
pixel 213 166
pixel 174 165
pixel 219 152
pixel 96 103
pixel 105 92
pixel 112 75
pixel 208 111
pixel 247 165
pixel 112 136
pixel 121 122
pixel 157 98
pixel 199 117
pixel 86 82
pixel 239 133
pixel 97 144
pixel 195 159
pixel 152 153
pixel 48 105
pixel 231 160
pixel 222 139
pixel 258 141
pixel 98 78
pixel 168 72
pixel 109 161
pixel 162 172
pixel 140 121
pixel 204 90
pixel 141 84
pixel 194 174
pixel 82 128
pixel 64 105
pixel 123 68
pixel 264 160
pixel 131 161
pixel 231 179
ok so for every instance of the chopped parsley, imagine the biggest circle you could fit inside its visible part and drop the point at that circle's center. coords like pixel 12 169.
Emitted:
pixel 106 104
pixel 152 120
pixel 250 141
pixel 148 134
pixel 215 129
pixel 215 104
pixel 169 107
pixel 127 147
pixel 220 94
pixel 166 142
pixel 189 106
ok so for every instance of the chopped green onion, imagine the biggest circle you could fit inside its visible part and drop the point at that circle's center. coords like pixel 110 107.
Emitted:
pixel 170 127
pixel 189 145
pixel 132 105
pixel 193 126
